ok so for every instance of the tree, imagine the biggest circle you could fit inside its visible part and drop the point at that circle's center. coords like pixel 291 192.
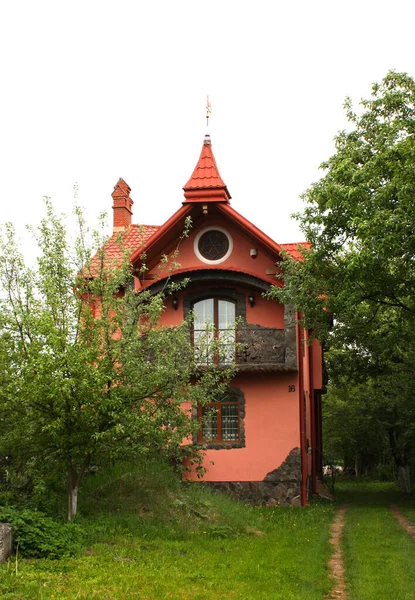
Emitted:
pixel 360 220
pixel 89 375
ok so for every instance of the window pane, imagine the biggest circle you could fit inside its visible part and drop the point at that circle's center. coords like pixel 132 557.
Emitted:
pixel 226 314
pixel 226 331
pixel 230 422
pixel 209 423
pixel 203 313
pixel 203 331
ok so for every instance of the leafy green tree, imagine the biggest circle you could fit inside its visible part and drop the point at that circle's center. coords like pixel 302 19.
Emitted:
pixel 360 220
pixel 89 375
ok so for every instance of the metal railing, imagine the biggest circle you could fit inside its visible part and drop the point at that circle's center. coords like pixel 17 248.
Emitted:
pixel 244 346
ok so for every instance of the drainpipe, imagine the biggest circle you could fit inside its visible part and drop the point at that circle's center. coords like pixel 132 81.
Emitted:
pixel 301 413
pixel 312 422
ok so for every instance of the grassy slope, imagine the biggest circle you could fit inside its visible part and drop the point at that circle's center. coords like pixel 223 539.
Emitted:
pixel 149 537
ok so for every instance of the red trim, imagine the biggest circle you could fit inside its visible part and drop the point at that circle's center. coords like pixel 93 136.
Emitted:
pixel 206 195
pixel 301 414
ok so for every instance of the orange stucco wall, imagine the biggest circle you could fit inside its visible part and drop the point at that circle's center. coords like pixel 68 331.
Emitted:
pixel 271 430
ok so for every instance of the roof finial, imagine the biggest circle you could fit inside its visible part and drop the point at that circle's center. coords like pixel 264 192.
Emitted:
pixel 208 110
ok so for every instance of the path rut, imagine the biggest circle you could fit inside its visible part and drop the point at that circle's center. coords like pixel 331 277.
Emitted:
pixel 410 529
pixel 336 563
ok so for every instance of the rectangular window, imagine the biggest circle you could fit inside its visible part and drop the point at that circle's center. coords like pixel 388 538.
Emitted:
pixel 220 421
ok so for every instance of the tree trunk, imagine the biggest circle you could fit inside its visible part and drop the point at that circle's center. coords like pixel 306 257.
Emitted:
pixel 73 482
pixel 404 479
pixel 358 464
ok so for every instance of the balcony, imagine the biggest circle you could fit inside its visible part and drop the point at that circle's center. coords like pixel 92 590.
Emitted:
pixel 252 347
pixel 262 349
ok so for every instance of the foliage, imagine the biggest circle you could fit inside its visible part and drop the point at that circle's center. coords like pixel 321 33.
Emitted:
pixel 90 376
pixel 353 432
pixel 39 536
pixel 360 220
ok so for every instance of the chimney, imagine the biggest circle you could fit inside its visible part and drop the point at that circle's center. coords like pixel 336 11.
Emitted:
pixel 122 206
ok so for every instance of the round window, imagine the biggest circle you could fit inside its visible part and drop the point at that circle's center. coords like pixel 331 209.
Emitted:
pixel 213 245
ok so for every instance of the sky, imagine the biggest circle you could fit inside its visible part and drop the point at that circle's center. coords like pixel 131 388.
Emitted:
pixel 92 91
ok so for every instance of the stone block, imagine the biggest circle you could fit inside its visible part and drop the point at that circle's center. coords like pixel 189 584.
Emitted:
pixel 272 502
pixel 6 541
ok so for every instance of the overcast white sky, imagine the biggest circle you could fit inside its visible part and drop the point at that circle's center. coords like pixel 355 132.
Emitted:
pixel 96 90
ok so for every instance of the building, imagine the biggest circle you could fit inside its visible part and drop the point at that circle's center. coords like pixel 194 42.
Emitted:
pixel 264 436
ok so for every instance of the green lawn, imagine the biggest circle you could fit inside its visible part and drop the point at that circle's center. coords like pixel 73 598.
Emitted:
pixel 149 539
pixel 285 559
pixel 379 554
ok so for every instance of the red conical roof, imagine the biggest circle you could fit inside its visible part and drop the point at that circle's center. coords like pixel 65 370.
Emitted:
pixel 206 184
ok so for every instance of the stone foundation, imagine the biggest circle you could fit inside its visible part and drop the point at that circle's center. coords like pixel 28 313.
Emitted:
pixel 281 486
pixel 6 541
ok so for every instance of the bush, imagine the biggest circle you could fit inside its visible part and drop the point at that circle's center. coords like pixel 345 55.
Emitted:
pixel 38 536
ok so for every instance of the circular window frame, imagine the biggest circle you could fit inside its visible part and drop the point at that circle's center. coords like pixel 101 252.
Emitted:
pixel 207 261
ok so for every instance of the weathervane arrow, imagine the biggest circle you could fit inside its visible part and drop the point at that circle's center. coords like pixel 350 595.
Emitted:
pixel 208 110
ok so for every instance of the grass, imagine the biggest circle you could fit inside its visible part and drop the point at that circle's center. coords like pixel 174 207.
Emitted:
pixel 149 537
pixel 407 507
pixel 379 554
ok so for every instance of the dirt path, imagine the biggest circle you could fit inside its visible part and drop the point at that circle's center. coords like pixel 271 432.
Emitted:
pixel 336 563
pixel 403 521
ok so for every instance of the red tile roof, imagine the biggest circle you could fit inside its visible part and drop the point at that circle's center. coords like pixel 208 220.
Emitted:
pixel 294 249
pixel 206 175
pixel 136 237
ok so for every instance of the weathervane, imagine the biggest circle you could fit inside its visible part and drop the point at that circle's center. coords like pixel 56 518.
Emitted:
pixel 208 110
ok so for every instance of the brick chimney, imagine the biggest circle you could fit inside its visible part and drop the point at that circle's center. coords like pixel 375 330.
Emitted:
pixel 122 206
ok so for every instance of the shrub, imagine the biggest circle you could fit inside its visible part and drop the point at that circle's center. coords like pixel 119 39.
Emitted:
pixel 38 536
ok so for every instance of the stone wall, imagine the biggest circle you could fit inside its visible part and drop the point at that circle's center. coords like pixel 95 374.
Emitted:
pixel 6 541
pixel 281 486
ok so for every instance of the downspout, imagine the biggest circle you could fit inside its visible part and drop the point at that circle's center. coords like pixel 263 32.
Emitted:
pixel 312 423
pixel 301 413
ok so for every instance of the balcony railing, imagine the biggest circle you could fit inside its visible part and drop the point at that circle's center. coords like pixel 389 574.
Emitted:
pixel 251 348
pixel 260 348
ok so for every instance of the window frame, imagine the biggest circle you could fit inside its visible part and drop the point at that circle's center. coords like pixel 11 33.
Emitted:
pixel 200 256
pixel 220 444
pixel 218 406
pixel 222 293
pixel 216 330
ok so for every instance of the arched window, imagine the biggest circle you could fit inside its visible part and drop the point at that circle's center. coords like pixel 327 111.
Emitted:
pixel 214 330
